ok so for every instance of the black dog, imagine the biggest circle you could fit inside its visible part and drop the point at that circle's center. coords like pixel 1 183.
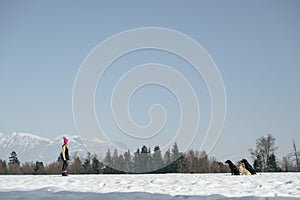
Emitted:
pixel 233 168
pixel 248 166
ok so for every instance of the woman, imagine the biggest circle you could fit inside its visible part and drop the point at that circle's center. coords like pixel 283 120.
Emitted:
pixel 65 156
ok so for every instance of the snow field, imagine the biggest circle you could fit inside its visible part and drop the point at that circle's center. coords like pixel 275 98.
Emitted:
pixel 152 186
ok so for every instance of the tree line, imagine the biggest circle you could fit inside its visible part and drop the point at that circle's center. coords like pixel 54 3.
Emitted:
pixel 146 161
pixel 141 161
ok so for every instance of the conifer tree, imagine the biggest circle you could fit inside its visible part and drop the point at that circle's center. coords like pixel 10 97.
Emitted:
pixel 137 162
pixel 258 164
pixel 96 167
pixel 127 162
pixel 176 159
pixel 108 163
pixel 272 164
pixel 145 160
pixel 13 159
pixel 39 168
pixel 175 152
pixel 167 161
pixel 87 168
pixel 157 160
pixel 115 160
pixel 14 164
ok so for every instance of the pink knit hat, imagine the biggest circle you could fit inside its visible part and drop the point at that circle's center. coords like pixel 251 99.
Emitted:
pixel 65 140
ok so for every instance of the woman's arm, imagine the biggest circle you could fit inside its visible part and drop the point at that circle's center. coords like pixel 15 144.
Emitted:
pixel 63 151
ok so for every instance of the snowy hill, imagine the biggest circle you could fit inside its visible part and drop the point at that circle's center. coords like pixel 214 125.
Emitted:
pixel 31 147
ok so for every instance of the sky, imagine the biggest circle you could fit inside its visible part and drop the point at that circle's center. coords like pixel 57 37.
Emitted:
pixel 254 44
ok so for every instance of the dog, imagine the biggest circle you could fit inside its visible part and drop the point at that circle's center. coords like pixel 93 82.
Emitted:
pixel 233 168
pixel 243 170
pixel 248 166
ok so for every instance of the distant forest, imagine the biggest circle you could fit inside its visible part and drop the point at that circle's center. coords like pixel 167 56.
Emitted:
pixel 146 161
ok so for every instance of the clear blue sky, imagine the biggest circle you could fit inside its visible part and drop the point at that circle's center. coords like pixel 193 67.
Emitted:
pixel 255 44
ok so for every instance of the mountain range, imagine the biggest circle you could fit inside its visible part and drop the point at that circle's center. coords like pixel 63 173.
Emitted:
pixel 31 148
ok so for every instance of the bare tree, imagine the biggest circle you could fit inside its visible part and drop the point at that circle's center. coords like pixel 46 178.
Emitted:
pixel 27 168
pixel 54 168
pixel 296 154
pixel 3 167
pixel 287 164
pixel 265 149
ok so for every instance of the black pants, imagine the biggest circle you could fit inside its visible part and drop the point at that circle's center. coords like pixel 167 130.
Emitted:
pixel 65 165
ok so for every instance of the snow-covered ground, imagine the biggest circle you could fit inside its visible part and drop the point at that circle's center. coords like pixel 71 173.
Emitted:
pixel 154 186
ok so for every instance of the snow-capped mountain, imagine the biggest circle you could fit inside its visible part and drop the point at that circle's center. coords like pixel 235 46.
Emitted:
pixel 31 147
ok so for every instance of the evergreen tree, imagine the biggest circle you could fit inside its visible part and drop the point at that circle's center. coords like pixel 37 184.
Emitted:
pixel 175 152
pixel 145 160
pixel 108 163
pixel 115 160
pixel 272 164
pixel 121 164
pixel 137 162
pixel 127 162
pixel 87 168
pixel 157 160
pixel 258 164
pixel 14 164
pixel 114 164
pixel 39 168
pixel 95 165
pixel 184 166
pixel 167 157
pixel 176 158
pixel 168 161
pixel 142 160
pixel 13 159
